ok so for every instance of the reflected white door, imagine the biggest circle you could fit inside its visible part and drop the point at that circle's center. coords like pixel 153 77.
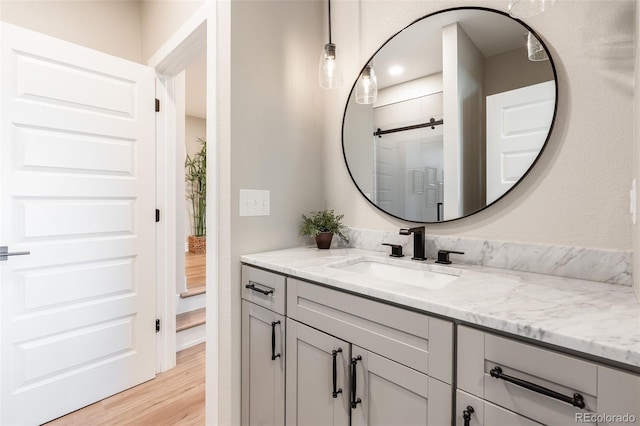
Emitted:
pixel 517 124
pixel 77 185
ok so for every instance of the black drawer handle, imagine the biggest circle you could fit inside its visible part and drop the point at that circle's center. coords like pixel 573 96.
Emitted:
pixel 577 400
pixel 354 401
pixel 273 340
pixel 466 415
pixel 334 354
pixel 252 286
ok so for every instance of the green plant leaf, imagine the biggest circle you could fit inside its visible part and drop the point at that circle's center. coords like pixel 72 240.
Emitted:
pixel 323 221
pixel 195 169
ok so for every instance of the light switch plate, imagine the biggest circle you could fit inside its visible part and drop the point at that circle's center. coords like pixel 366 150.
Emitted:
pixel 255 202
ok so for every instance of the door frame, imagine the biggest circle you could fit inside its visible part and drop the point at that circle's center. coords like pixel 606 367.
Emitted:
pixel 185 45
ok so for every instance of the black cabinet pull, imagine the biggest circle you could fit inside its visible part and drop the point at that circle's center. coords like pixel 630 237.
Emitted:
pixel 273 340
pixel 466 415
pixel 334 354
pixel 577 400
pixel 354 401
pixel 252 286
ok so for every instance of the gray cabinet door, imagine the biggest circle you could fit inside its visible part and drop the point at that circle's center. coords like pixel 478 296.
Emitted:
pixel 618 396
pixel 393 394
pixel 310 398
pixel 263 380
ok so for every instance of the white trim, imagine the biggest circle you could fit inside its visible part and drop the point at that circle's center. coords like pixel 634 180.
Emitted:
pixel 171 59
pixel 166 231
pixel 169 62
pixel 184 46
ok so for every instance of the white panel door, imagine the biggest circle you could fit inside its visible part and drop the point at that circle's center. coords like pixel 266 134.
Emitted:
pixel 517 125
pixel 77 185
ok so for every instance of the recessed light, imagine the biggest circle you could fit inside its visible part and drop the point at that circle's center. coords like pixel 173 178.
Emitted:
pixel 396 70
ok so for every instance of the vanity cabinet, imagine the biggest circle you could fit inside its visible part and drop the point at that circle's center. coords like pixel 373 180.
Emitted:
pixel 263 347
pixel 401 361
pixel 501 377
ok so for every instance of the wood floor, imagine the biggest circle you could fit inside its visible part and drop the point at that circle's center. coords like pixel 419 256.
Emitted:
pixel 175 397
pixel 195 269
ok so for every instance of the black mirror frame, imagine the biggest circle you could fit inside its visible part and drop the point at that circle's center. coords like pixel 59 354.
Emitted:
pixel 525 174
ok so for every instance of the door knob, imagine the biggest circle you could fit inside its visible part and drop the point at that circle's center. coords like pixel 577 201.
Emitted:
pixel 4 253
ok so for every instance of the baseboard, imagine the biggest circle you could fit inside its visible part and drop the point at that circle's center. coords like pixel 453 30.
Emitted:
pixel 191 337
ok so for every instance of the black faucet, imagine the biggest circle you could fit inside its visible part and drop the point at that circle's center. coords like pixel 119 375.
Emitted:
pixel 418 241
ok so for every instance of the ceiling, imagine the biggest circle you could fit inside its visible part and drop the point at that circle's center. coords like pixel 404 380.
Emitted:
pixel 418 48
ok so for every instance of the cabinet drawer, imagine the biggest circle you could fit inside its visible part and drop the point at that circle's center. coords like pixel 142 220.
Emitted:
pixel 480 353
pixel 416 340
pixel 264 288
pixel 486 414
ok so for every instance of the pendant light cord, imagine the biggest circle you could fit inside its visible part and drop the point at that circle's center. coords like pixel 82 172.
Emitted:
pixel 329 1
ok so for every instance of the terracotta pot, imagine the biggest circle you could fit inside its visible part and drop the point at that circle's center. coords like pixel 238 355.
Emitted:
pixel 323 240
pixel 197 245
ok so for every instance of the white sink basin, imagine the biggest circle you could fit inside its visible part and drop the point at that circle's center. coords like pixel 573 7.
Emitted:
pixel 427 276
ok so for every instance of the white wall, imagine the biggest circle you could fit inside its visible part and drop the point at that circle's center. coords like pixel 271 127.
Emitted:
pixel 108 26
pixel 578 193
pixel 463 78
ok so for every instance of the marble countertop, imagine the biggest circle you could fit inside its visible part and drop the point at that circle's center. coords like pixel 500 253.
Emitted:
pixel 594 318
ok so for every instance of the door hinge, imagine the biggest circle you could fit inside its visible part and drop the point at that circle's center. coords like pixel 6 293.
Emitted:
pixel 157 326
pixel 157 105
pixel 157 215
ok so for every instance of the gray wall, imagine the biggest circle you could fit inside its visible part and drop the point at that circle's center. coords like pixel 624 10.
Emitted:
pixel 512 70
pixel 270 129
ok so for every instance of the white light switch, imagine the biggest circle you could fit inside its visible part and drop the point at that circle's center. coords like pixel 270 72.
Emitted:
pixel 255 202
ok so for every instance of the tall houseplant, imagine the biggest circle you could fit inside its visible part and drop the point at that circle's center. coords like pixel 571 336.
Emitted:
pixel 196 180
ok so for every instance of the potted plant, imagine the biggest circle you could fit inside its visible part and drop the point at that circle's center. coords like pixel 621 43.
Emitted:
pixel 322 225
pixel 196 180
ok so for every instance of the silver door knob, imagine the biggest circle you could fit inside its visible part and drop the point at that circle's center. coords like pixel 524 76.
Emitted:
pixel 4 253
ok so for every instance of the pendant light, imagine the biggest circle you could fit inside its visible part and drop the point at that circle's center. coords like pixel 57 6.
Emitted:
pixel 329 72
pixel 529 8
pixel 367 86
pixel 535 50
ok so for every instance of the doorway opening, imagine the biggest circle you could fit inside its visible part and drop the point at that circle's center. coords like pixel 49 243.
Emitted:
pixel 191 303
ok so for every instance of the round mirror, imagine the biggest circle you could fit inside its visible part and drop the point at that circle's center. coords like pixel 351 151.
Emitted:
pixel 449 114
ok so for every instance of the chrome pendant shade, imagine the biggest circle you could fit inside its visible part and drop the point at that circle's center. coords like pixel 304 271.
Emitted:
pixel 535 49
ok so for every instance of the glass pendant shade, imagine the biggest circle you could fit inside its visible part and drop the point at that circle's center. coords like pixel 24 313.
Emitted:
pixel 329 72
pixel 528 8
pixel 367 86
pixel 535 50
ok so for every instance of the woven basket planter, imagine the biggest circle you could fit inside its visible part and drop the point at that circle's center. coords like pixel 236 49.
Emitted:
pixel 197 245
